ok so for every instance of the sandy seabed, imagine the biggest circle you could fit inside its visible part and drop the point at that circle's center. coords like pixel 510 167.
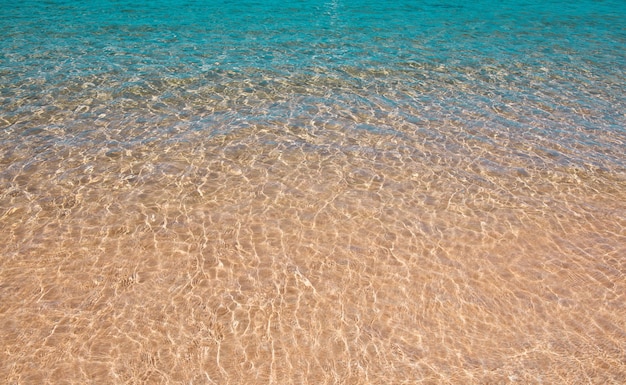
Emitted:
pixel 253 258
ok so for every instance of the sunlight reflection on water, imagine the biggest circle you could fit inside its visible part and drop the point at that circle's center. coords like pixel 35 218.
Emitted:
pixel 184 200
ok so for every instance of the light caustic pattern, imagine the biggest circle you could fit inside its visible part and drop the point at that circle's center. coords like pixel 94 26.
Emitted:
pixel 326 255
pixel 434 220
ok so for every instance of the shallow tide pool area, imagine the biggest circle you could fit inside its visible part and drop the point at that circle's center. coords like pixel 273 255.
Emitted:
pixel 312 192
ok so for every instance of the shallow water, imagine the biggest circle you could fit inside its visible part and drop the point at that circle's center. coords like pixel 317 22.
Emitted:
pixel 320 192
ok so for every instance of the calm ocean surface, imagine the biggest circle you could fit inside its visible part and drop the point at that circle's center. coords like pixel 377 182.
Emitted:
pixel 312 192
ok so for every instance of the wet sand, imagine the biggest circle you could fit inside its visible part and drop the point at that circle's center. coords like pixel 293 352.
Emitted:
pixel 274 255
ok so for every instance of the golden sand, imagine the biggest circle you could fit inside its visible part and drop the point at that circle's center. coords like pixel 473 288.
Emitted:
pixel 251 259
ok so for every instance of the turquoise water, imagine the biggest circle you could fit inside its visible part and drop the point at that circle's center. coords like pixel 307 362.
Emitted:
pixel 312 192
pixel 159 59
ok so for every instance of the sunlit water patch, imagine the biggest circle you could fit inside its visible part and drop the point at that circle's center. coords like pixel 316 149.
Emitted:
pixel 318 192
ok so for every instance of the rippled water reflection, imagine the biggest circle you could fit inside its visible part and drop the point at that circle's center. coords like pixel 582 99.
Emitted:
pixel 413 222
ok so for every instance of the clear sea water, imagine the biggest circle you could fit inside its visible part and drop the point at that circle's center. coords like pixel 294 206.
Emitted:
pixel 311 192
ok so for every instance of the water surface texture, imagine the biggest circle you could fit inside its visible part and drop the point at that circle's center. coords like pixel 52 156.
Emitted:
pixel 312 192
